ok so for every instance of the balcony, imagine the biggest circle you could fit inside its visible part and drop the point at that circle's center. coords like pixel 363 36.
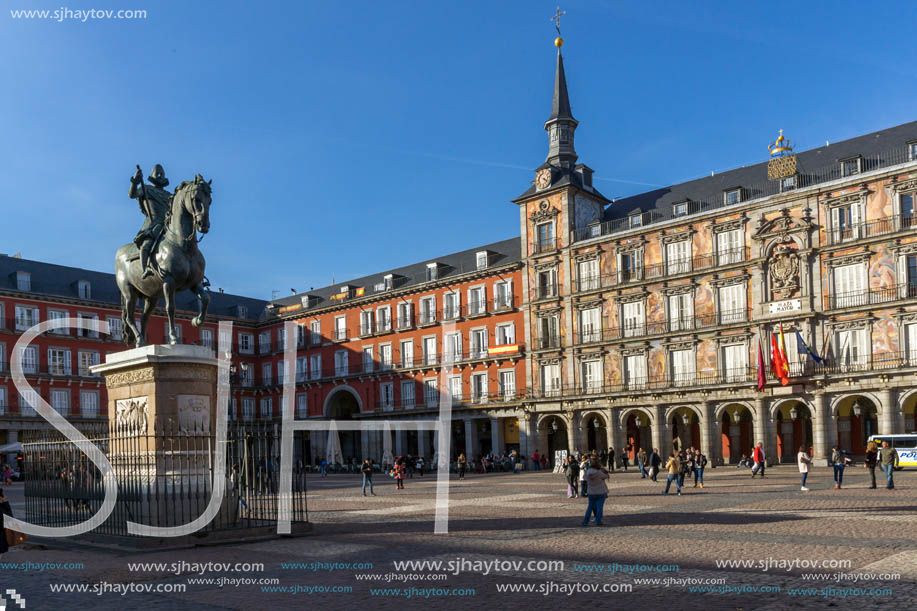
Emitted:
pixel 502 303
pixel 383 326
pixel 544 245
pixel 547 342
pixel 427 317
pixel 662 270
pixel 871 296
pixel 264 348
pixel 684 324
pixel 452 312
pixel 545 291
pixel 475 308
pixel 647 383
pixel 340 335
pixel 870 229
pixel 405 323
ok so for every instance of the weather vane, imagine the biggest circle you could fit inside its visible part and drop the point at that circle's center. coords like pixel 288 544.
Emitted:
pixel 556 19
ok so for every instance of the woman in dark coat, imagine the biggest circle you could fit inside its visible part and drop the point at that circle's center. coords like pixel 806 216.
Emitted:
pixel 5 509
pixel 571 471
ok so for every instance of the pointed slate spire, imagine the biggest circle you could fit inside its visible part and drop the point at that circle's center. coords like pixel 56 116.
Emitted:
pixel 561 124
pixel 560 106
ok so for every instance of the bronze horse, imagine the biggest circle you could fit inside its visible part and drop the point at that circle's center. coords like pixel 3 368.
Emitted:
pixel 179 262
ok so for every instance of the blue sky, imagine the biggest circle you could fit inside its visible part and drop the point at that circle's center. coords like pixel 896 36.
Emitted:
pixel 345 138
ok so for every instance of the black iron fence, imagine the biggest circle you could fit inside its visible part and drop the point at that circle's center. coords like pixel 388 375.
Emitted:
pixel 165 477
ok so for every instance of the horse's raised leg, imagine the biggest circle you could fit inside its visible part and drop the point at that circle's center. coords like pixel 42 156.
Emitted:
pixel 149 304
pixel 168 291
pixel 204 297
pixel 128 303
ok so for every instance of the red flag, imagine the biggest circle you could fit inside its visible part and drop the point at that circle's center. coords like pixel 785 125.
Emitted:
pixel 786 361
pixel 777 364
pixel 762 375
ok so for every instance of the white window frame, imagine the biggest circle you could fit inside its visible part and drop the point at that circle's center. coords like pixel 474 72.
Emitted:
pixel 428 309
pixel 678 257
pixel 405 315
pixel 385 356
pixel 477 300
pixel 481 260
pixel 55 314
pixel 367 357
pixel 503 294
pixel 633 317
pixel 431 392
pixel 341 366
pixel 590 325
pixel 387 396
pixel 59 361
pixel 246 343
pixel 849 285
pixel 730 247
pixel 367 319
pixel 549 374
pixel 383 319
pixel 452 347
pixel 505 334
pixel 843 230
pixel 27 316
pixel 734 362
pixel 315 366
pixel 407 356
pixel 340 328
pixel 248 408
pixel 266 408
pixel 479 390
pixel 682 367
pixel 591 375
pixel 635 375
pixel 315 332
pixel 302 405
pixel 452 305
pixel 506 380
pixel 84 289
pixel 681 311
pixel 59 399
pixel 852 348
pixel 455 389
pixel 732 300
pixel 89 403
pixel 587 272
pixel 207 339
pixel 429 352
pixel 408 399
pixel 87 358
pixel 478 349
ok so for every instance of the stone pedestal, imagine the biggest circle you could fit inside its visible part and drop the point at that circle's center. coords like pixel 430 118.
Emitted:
pixel 161 387
pixel 161 407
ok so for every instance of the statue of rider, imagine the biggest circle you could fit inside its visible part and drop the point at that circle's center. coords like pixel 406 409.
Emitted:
pixel 154 202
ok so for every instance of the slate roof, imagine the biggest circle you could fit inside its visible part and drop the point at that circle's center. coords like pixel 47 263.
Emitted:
pixel 814 166
pixel 449 266
pixel 48 279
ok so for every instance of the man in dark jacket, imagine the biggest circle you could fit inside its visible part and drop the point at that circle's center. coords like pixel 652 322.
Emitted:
pixel 655 462
pixel 367 470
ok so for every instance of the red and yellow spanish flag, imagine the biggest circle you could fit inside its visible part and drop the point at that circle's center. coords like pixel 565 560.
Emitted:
pixel 783 359
pixel 777 363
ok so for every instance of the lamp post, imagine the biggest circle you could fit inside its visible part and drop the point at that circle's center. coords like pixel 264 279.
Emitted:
pixel 794 413
pixel 857 408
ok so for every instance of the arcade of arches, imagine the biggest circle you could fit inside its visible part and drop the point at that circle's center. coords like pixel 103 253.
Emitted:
pixel 725 431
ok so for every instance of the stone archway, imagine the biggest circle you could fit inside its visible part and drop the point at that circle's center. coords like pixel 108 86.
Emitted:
pixel 856 417
pixel 736 432
pixel 638 432
pixel 595 432
pixel 908 406
pixel 343 403
pixel 793 428
pixel 684 422
pixel 553 429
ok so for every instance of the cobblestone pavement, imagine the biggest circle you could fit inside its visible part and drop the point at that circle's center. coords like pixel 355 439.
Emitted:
pixel 520 519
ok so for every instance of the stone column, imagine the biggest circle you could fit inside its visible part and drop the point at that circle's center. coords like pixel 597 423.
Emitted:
pixel 823 433
pixel 706 430
pixel 423 445
pixel 889 422
pixel 399 442
pixel 471 439
pixel 496 436
pixel 526 438
pixel 660 429
pixel 761 430
pixel 572 424
pixel 611 429
pixel 364 446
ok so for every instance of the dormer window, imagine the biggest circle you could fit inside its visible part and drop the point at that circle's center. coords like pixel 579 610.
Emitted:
pixel 84 289
pixel 912 151
pixel 388 281
pixel 732 196
pixel 635 220
pixel 431 271
pixel 787 183
pixel 851 166
pixel 680 209
pixel 241 311
pixel 481 259
pixel 23 281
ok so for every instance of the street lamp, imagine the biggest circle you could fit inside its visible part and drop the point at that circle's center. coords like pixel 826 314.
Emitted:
pixel 554 426
pixel 638 421
pixel 686 419
pixel 794 413
pixel 857 408
pixel 735 415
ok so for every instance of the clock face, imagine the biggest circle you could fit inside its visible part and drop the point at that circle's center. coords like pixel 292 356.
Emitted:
pixel 543 178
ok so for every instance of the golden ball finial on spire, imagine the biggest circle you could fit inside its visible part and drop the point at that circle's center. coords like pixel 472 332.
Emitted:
pixel 558 42
pixel 780 146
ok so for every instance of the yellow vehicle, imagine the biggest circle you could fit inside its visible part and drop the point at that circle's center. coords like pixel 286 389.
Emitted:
pixel 905 443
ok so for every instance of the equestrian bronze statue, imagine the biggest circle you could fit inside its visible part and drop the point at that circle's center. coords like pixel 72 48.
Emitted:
pixel 163 260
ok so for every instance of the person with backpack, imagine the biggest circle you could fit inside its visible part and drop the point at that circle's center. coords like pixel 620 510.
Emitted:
pixel 700 462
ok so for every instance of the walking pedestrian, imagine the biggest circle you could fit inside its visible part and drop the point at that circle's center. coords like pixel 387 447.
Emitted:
pixel 700 462
pixel 655 462
pixel 759 457
pixel 596 477
pixel 399 474
pixel 420 465
pixel 571 471
pixel 536 461
pixel 888 456
pixel 462 465
pixel 611 460
pixel 871 461
pixel 839 461
pixel 684 467
pixel 583 467
pixel 624 456
pixel 803 460
pixel 674 468
pixel 367 470
pixel 641 462
pixel 324 467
